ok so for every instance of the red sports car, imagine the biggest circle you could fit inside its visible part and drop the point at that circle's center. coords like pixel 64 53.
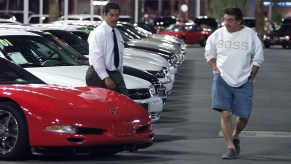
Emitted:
pixel 191 34
pixel 40 117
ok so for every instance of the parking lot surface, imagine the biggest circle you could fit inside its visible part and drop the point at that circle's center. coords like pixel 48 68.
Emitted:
pixel 188 131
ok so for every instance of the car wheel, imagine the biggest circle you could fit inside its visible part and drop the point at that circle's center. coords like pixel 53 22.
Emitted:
pixel 267 46
pixel 13 133
pixel 203 42
pixel 107 153
pixel 284 46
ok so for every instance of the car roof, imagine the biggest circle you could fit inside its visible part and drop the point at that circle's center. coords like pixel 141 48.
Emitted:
pixel 8 21
pixel 11 32
pixel 81 16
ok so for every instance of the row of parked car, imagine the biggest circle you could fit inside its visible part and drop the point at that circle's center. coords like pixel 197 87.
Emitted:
pixel 45 102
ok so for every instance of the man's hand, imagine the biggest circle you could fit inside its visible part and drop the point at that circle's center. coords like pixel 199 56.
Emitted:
pixel 109 83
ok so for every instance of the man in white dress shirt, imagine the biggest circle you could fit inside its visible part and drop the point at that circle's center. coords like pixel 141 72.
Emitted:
pixel 235 54
pixel 106 68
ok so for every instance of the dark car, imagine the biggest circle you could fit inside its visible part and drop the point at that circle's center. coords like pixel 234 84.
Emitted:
pixel 279 37
pixel 163 22
pixel 206 22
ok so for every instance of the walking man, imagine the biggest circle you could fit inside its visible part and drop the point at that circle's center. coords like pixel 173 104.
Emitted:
pixel 105 53
pixel 235 54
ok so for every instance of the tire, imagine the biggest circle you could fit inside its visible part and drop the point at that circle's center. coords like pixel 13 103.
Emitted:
pixel 13 133
pixel 267 46
pixel 104 153
pixel 203 42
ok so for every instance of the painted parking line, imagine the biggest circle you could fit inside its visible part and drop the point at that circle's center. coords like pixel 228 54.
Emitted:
pixel 261 134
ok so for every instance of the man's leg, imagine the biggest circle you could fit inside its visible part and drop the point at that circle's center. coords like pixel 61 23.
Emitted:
pixel 226 127
pixel 241 123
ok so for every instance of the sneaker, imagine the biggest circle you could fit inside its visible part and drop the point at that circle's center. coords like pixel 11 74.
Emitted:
pixel 236 143
pixel 229 154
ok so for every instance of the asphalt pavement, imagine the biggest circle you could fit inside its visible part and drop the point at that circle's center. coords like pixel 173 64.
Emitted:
pixel 189 131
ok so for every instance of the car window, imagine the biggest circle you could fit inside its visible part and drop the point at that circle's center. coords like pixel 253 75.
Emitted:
pixel 71 39
pixel 284 29
pixel 11 74
pixel 249 22
pixel 164 21
pixel 175 28
pixel 94 18
pixel 194 28
pixel 36 20
pixel 206 22
pixel 33 51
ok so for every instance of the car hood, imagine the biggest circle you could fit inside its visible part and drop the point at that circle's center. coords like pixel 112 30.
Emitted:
pixel 145 54
pixel 75 76
pixel 141 63
pixel 278 34
pixel 165 42
pixel 70 101
pixel 148 44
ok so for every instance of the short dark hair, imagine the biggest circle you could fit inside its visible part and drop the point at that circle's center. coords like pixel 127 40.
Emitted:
pixel 235 11
pixel 111 5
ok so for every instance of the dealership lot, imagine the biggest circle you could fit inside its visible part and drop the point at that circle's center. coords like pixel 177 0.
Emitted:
pixel 188 131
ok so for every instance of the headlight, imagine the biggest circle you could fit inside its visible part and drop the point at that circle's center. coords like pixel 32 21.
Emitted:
pixel 173 59
pixel 152 90
pixel 60 129
pixel 166 71
pixel 158 74
pixel 266 37
pixel 284 38
pixel 165 80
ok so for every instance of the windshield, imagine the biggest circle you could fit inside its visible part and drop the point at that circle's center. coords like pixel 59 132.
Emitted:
pixel 284 29
pixel 13 74
pixel 175 28
pixel 34 51
pixel 71 39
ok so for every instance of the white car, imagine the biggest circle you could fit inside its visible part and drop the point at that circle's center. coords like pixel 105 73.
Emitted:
pixel 53 66
pixel 154 68
pixel 147 54
pixel 82 46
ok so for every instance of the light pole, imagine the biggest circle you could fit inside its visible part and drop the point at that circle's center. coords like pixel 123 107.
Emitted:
pixel 136 11
pixel 25 12
pixel 197 8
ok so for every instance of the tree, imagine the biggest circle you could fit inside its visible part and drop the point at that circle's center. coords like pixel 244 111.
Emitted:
pixel 260 18
pixel 53 10
pixel 217 7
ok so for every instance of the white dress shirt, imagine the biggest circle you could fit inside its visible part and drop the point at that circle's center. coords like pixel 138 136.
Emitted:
pixel 101 53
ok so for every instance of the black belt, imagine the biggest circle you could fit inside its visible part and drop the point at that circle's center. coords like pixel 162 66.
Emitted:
pixel 114 71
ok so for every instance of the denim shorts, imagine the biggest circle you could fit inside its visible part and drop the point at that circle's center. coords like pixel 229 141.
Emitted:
pixel 237 100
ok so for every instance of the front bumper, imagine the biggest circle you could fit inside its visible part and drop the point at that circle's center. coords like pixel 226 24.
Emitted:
pixel 154 106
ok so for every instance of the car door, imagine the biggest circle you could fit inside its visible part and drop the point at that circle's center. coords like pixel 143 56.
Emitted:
pixel 193 34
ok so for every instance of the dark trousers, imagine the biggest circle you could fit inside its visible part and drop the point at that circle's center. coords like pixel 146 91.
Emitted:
pixel 92 79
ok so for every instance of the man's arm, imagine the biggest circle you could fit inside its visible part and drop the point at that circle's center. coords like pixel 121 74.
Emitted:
pixel 254 72
pixel 212 63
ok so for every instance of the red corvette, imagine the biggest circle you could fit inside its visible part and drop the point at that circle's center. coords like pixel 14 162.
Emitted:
pixel 191 34
pixel 40 117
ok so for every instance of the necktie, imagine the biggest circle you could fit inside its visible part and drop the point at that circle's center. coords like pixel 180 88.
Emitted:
pixel 116 52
